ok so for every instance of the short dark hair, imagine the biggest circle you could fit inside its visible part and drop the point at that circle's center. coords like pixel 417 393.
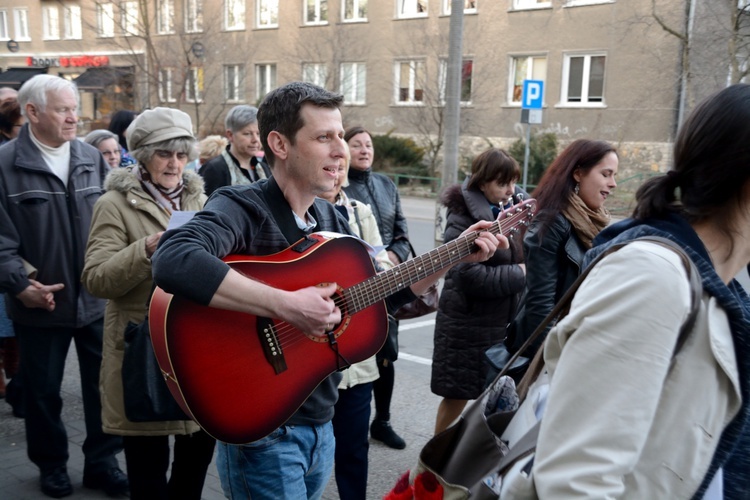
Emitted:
pixel 119 123
pixel 10 113
pixel 356 130
pixel 711 164
pixel 280 110
pixel 493 165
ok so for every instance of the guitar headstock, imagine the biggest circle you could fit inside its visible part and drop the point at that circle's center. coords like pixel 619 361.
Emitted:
pixel 513 220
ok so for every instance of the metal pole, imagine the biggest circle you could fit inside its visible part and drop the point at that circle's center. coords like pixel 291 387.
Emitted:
pixel 526 157
pixel 452 108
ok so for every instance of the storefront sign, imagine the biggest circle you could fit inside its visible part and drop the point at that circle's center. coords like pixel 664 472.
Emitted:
pixel 68 61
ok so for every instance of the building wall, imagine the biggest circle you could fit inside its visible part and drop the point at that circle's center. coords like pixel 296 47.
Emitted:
pixel 643 87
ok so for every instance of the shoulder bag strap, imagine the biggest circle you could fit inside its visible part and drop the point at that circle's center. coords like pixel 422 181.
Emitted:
pixel 563 305
pixel 527 443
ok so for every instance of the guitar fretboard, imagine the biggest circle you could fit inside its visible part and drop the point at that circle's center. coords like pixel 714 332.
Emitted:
pixel 380 286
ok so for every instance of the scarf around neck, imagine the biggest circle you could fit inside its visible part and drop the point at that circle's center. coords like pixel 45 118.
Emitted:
pixel 586 223
pixel 170 200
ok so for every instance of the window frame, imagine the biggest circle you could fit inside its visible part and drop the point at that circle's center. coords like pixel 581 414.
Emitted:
pixel 21 24
pixel 4 33
pixel 319 12
pixel 269 5
pixel 72 23
pixel 414 67
pixel 320 71
pixel 193 16
pixel 356 7
pixel 513 66
pixel 166 84
pixel 129 18
pixel 269 79
pixel 443 80
pixel 105 20
pixel 50 27
pixel 352 95
pixel 241 14
pixel 237 83
pixel 400 9
pixel 467 10
pixel 531 4
pixel 585 80
pixel 194 93
pixel 162 16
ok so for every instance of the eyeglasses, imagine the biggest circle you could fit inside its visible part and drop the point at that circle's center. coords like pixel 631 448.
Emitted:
pixel 165 155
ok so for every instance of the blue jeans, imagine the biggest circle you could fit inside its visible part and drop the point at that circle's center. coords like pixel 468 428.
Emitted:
pixel 292 462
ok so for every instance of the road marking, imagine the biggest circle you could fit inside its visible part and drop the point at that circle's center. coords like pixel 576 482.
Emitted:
pixel 419 324
pixel 415 359
pixel 411 326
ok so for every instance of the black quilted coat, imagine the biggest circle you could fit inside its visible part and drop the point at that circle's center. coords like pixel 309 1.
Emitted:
pixel 476 304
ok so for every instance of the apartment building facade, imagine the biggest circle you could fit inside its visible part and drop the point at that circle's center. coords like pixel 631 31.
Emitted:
pixel 618 70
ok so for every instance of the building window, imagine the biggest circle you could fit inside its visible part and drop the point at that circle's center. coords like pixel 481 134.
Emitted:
pixel 531 4
pixel 470 7
pixel 105 19
pixel 50 23
pixel 234 15
pixel 583 79
pixel 234 82
pixel 353 82
pixel 467 72
pixel 21 21
pixel 410 82
pixel 525 68
pixel 265 79
pixel 412 8
pixel 4 35
pixel 129 21
pixel 193 16
pixel 166 92
pixel 268 13
pixel 194 85
pixel 72 22
pixel 165 17
pixel 316 73
pixel 316 11
pixel 355 10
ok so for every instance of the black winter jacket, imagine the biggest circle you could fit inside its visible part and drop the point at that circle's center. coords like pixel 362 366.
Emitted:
pixel 47 224
pixel 553 262
pixel 215 172
pixel 378 191
pixel 477 302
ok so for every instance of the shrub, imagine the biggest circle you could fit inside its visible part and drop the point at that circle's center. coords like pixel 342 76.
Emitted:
pixel 542 150
pixel 398 155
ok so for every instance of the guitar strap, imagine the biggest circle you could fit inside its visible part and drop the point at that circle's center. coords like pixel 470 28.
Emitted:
pixel 282 213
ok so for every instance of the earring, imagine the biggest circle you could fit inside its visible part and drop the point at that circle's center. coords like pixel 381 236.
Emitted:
pixel 577 188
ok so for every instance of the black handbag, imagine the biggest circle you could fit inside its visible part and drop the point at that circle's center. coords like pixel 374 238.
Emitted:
pixel 146 395
pixel 389 351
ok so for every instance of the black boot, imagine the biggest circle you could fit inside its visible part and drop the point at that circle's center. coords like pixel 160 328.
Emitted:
pixel 382 431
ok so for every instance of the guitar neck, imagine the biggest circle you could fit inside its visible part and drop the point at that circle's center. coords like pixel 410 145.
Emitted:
pixel 380 286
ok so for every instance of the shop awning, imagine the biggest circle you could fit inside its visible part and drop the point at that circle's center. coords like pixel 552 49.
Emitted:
pixel 98 78
pixel 15 77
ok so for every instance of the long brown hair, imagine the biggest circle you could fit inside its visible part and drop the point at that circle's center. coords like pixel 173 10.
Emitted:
pixel 553 191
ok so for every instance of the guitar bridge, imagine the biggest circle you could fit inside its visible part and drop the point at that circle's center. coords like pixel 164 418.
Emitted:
pixel 270 344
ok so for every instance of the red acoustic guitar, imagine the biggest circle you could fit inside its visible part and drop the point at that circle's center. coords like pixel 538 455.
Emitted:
pixel 240 376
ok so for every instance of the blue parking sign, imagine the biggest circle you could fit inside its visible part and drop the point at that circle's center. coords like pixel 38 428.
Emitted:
pixel 533 92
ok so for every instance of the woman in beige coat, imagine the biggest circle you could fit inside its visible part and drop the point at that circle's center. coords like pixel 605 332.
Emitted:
pixel 127 224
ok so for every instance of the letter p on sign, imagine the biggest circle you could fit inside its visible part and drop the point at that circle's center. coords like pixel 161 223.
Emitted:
pixel 533 91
